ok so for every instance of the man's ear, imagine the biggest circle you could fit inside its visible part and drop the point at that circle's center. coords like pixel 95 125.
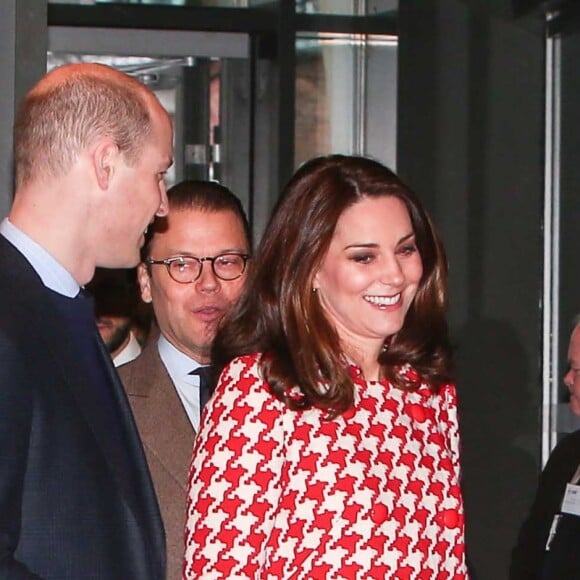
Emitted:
pixel 105 157
pixel 144 282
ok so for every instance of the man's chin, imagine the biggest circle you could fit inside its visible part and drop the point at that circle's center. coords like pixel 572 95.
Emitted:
pixel 122 261
pixel 129 262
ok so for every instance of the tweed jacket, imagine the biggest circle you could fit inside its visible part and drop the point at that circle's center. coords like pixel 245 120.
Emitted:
pixel 167 437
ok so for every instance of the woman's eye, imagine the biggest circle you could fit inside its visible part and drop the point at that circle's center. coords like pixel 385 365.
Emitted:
pixel 407 249
pixel 362 258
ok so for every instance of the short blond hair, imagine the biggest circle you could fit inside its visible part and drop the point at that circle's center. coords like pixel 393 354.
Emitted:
pixel 70 108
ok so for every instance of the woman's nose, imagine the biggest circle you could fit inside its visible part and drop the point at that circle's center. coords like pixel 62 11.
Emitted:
pixel 393 273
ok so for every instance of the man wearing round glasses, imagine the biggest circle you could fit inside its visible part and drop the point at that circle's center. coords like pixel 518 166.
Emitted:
pixel 194 266
pixel 187 269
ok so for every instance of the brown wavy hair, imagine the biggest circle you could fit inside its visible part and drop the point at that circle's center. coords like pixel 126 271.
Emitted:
pixel 280 316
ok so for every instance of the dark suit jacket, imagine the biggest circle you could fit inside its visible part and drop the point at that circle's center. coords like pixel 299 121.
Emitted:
pixel 530 560
pixel 74 503
pixel 167 437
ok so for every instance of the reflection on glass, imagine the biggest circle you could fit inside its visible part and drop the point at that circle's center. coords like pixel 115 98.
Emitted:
pixel 346 7
pixel 339 7
pixel 346 96
pixel 210 3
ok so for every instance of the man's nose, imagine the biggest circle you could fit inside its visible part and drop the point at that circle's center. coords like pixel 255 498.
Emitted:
pixel 163 208
pixel 207 279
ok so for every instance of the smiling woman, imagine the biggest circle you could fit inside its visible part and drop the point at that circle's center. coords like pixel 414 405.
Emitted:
pixel 331 443
pixel 369 277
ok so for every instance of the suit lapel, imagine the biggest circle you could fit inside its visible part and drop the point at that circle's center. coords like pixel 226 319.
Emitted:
pixel 164 426
pixel 139 468
pixel 81 385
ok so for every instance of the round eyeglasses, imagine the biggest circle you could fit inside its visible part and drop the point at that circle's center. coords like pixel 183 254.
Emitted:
pixel 186 269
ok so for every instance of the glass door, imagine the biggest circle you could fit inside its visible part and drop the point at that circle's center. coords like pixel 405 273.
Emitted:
pixel 255 87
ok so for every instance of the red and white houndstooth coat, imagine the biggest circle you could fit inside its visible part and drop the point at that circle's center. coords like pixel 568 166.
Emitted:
pixel 280 494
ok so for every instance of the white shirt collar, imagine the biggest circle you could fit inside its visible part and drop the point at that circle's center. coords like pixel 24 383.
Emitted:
pixel 130 352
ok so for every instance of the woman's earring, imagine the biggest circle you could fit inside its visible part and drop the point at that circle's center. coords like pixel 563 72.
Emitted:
pixel 314 290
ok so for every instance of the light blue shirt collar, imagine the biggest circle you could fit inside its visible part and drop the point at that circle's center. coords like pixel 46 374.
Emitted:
pixel 51 272
pixel 178 365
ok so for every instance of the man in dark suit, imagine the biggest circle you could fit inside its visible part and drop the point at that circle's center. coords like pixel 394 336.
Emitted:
pixel 193 270
pixel 91 146
pixel 548 546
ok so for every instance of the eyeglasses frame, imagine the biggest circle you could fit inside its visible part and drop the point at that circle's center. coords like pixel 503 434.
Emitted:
pixel 211 259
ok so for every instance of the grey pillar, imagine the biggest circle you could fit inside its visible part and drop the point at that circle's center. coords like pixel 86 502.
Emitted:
pixel 23 46
pixel 471 128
